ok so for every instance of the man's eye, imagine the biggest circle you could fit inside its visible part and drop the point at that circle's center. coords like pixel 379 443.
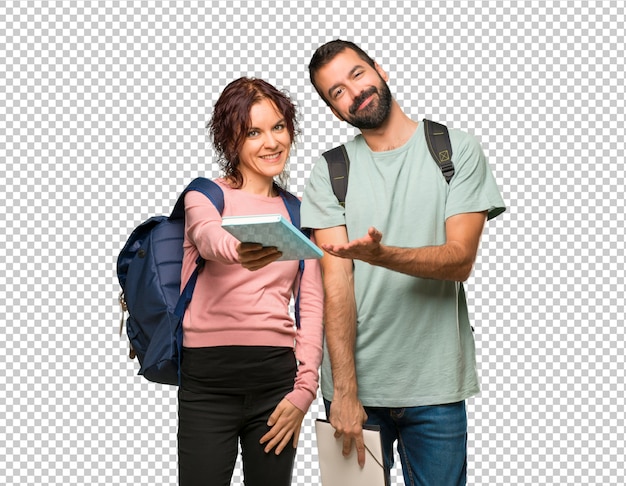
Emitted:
pixel 337 92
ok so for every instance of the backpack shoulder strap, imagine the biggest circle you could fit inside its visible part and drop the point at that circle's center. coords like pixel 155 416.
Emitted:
pixel 207 187
pixel 215 194
pixel 438 141
pixel 338 167
pixel 293 208
pixel 292 203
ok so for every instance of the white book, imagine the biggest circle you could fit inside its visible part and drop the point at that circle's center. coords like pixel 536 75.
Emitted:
pixel 337 470
pixel 272 230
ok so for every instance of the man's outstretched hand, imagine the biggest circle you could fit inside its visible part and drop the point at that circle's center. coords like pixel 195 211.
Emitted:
pixel 365 249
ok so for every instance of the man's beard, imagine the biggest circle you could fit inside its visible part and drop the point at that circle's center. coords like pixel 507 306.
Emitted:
pixel 375 114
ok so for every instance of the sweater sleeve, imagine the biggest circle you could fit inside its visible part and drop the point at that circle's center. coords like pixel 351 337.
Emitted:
pixel 309 337
pixel 203 227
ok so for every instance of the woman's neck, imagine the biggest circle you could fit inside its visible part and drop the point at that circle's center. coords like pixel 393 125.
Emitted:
pixel 258 186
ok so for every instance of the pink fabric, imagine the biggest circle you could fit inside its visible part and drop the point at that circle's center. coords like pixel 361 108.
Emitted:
pixel 234 306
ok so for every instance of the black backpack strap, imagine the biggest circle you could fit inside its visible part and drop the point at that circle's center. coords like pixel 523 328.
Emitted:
pixel 438 141
pixel 338 168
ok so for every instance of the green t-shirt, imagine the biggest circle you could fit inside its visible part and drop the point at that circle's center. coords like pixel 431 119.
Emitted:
pixel 414 342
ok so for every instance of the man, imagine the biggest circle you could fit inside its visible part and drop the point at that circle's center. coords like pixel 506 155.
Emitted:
pixel 399 348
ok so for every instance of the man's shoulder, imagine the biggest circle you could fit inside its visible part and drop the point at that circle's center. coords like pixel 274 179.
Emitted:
pixel 463 139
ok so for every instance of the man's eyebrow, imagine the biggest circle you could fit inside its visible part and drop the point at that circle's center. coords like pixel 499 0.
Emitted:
pixel 350 74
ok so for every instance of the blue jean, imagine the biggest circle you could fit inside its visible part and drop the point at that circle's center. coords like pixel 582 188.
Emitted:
pixel 432 442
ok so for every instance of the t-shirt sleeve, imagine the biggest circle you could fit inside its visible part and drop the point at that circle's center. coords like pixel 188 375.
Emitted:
pixel 320 207
pixel 473 187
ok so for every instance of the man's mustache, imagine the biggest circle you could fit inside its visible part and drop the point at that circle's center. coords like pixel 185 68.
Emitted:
pixel 361 98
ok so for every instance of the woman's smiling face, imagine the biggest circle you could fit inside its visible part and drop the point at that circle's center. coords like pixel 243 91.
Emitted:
pixel 266 145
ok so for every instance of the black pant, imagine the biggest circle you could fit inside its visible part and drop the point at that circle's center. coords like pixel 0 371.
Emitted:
pixel 227 394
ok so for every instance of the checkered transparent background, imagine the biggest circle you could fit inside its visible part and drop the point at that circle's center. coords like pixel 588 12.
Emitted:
pixel 102 109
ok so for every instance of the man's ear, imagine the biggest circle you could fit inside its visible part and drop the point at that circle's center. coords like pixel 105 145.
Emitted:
pixel 381 72
pixel 336 113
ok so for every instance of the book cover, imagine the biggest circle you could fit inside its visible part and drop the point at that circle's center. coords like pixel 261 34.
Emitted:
pixel 272 230
pixel 337 470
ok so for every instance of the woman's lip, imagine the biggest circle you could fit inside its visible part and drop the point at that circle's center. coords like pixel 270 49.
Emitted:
pixel 271 156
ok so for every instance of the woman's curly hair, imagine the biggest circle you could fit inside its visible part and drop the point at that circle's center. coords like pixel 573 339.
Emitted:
pixel 230 122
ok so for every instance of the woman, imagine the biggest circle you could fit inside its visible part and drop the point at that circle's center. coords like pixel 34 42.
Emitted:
pixel 242 377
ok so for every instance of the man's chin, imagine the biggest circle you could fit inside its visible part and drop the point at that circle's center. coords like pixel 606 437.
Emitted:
pixel 366 123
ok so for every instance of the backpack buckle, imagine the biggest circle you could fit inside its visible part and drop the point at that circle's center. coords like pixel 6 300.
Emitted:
pixel 124 308
pixel 447 169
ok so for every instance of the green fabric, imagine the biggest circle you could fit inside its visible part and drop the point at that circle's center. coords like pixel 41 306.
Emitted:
pixel 414 343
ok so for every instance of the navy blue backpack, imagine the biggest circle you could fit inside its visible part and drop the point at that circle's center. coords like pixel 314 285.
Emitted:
pixel 148 270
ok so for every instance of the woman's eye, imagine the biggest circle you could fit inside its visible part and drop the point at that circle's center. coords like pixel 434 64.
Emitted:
pixel 279 127
pixel 253 133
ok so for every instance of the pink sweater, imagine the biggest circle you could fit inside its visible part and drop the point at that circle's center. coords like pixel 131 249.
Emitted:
pixel 234 306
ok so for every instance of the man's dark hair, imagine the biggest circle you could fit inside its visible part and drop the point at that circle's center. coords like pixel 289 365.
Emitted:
pixel 327 52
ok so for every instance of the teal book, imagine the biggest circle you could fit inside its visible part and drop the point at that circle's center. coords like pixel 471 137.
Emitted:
pixel 272 230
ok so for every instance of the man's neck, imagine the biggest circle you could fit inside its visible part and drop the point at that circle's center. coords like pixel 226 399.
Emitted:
pixel 394 133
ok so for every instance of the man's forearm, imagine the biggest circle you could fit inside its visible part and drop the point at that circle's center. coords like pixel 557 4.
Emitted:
pixel 340 330
pixel 452 260
pixel 339 312
pixel 446 262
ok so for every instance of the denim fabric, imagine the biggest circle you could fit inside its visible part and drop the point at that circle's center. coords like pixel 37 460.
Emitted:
pixel 432 442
